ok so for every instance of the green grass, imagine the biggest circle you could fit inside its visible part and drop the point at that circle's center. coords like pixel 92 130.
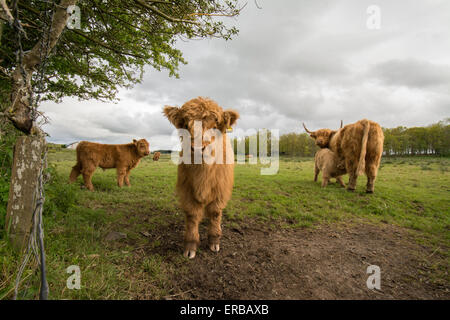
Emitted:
pixel 409 192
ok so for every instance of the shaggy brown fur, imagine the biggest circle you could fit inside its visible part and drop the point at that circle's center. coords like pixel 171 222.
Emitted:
pixel 123 157
pixel 359 144
pixel 330 165
pixel 156 156
pixel 203 189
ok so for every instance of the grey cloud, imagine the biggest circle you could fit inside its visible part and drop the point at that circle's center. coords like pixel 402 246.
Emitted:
pixel 142 124
pixel 412 73
pixel 292 61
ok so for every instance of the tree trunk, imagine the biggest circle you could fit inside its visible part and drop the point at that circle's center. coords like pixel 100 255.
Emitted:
pixel 27 165
pixel 20 112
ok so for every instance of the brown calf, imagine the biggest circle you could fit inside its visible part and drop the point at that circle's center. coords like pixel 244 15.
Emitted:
pixel 326 161
pixel 123 157
pixel 359 144
pixel 203 189
pixel 156 156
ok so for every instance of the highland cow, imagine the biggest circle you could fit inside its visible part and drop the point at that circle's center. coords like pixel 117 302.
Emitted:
pixel 326 161
pixel 123 157
pixel 359 144
pixel 156 156
pixel 203 188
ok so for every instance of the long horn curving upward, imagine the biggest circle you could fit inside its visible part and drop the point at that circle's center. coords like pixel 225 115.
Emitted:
pixel 342 122
pixel 306 128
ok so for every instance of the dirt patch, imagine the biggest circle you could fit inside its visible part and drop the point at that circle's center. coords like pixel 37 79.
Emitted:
pixel 325 262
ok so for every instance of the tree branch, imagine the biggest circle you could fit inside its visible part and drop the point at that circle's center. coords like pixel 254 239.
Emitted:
pixel 5 13
pixel 106 46
pixel 123 21
pixel 163 15
pixel 160 1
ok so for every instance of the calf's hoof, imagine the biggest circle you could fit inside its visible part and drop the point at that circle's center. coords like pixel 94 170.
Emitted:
pixel 189 254
pixel 190 249
pixel 214 243
pixel 350 189
pixel 214 247
pixel 369 191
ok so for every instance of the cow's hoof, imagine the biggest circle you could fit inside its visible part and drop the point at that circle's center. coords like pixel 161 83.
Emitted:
pixel 189 254
pixel 190 249
pixel 214 247
pixel 214 243
pixel 351 190
pixel 369 191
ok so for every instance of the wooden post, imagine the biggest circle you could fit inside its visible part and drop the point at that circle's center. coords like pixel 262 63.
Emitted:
pixel 27 164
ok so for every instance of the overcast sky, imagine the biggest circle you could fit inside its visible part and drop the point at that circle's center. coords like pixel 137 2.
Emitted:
pixel 294 60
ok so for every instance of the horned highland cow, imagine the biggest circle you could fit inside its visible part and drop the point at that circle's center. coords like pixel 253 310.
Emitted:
pixel 331 166
pixel 203 188
pixel 156 156
pixel 123 157
pixel 359 144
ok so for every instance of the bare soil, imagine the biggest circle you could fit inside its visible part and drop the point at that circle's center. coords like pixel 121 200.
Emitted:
pixel 257 261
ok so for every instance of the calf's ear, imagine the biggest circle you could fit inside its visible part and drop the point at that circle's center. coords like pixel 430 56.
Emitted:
pixel 172 113
pixel 229 118
pixel 134 141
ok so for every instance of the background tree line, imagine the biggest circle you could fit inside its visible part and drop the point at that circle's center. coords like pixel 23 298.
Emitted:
pixel 400 141
pixel 433 139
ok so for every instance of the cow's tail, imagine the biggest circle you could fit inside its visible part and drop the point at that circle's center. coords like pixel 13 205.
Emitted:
pixel 362 155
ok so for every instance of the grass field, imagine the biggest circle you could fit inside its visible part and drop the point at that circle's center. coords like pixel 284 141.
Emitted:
pixel 410 193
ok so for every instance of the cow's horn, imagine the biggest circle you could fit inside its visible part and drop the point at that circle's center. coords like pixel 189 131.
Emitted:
pixel 305 128
pixel 342 122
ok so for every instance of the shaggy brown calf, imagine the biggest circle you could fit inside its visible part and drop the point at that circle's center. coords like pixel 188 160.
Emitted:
pixel 359 144
pixel 203 189
pixel 123 157
pixel 326 161
pixel 156 156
